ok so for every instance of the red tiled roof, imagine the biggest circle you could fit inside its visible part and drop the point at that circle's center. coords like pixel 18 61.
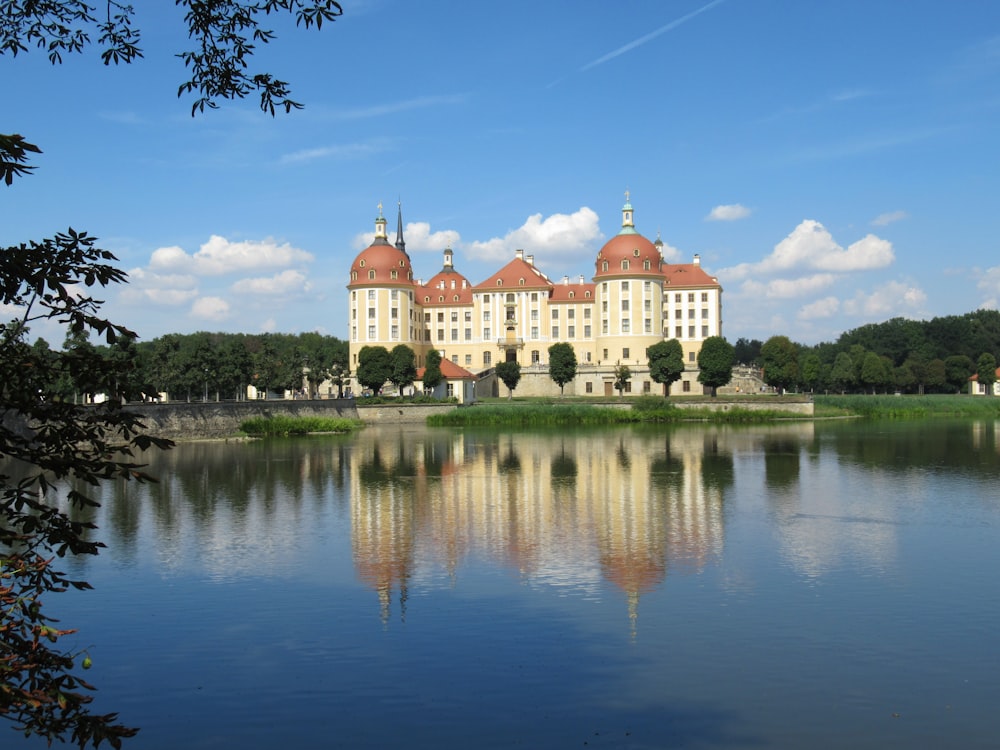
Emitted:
pixel 382 258
pixel 686 274
pixel 511 275
pixel 450 371
pixel 561 292
pixel 633 248
pixel 440 285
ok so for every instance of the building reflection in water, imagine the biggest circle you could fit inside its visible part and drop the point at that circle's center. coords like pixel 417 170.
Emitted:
pixel 561 512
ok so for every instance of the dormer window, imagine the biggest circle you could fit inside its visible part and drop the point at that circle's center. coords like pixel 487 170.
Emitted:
pixel 371 274
pixel 393 274
pixel 520 282
pixel 354 275
pixel 499 282
pixel 624 265
pixel 604 266
pixel 635 252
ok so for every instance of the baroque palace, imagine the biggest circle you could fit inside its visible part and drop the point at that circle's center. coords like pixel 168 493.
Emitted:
pixel 635 300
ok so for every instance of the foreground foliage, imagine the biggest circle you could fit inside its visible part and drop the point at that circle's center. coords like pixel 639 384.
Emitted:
pixel 56 451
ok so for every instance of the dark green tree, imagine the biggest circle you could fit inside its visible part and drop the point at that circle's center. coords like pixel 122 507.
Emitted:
pixel 622 377
pixel 958 368
pixel 986 371
pixel 842 375
pixel 779 359
pixel 432 371
pixel 562 364
pixel 876 371
pixel 374 368
pixel 747 351
pixel 403 367
pixel 811 371
pixel 715 363
pixel 666 363
pixel 509 373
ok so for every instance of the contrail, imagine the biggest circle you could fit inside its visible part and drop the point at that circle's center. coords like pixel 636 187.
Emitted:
pixel 651 35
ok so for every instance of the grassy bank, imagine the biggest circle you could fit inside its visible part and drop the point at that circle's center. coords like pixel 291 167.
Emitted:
pixel 282 425
pixel 900 407
pixel 643 410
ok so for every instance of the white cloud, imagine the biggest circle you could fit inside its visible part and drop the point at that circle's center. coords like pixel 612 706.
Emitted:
pixel 341 151
pixel 811 246
pixel 791 288
pixel 160 289
pixel 730 212
pixel 822 308
pixel 559 235
pixel 418 237
pixel 210 308
pixel 892 299
pixel 285 282
pixel 883 220
pixel 219 256
pixel 989 281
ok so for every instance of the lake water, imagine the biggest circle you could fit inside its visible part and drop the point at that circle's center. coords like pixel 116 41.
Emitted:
pixel 825 585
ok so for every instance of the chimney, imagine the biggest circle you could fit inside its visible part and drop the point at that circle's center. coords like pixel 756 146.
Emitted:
pixel 531 260
pixel 519 254
pixel 565 280
pixel 581 278
pixel 697 259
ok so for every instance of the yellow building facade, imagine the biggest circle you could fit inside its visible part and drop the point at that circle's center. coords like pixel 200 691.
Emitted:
pixel 634 299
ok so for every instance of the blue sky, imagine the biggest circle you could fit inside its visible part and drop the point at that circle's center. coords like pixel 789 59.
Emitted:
pixel 834 164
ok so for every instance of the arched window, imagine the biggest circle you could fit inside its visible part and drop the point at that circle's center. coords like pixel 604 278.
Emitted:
pixel 362 263
pixel 371 274
pixel 393 274
pixel 572 295
pixel 604 266
pixel 624 265
pixel 646 265
pixel 520 282
pixel 499 282
pixel 354 275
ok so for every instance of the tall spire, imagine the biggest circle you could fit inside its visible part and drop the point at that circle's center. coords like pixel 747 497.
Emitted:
pixel 380 237
pixel 628 226
pixel 400 243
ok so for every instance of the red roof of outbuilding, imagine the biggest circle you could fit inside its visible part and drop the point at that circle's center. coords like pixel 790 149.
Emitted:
pixel 450 371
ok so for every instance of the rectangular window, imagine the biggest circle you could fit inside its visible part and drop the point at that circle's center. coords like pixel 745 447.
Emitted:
pixel 454 358
pixel 604 326
pixel 371 333
pixel 487 359
pixel 486 298
pixel 605 352
pixel 468 359
pixel 486 333
pixel 395 333
pixel 454 334
pixel 677 298
pixel 647 287
pixel 626 352
pixel 704 296
pixel 647 325
pixel 371 313
pixel 555 313
pixel 468 334
pixel 555 332
pixel 427 317
pixel 394 294
pixel 589 387
pixel 586 332
pixel 645 386
pixel 534 296
pixel 486 316
pixel 704 313
pixel 535 356
pixel 534 314
pixel 394 313
pixel 571 313
pixel 691 314
pixel 468 316
pixel 586 313
pixel 626 325
pixel 454 316
pixel 690 332
pixel 686 386
pixel 704 332
pixel 628 386
pixel 691 297
pixel 625 287
pixel 571 332
pixel 604 306
pixel 691 357
pixel 624 305
pixel 678 332
pixel 450 389
pixel 647 305
pixel 604 287
pixel 534 332
pixel 678 313
pixel 371 294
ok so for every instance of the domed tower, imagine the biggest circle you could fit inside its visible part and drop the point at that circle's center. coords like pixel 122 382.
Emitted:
pixel 381 302
pixel 628 295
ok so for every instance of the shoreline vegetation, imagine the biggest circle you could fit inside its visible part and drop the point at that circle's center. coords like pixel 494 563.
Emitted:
pixel 654 410
pixel 282 425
